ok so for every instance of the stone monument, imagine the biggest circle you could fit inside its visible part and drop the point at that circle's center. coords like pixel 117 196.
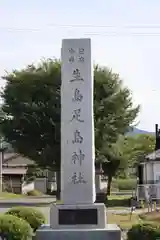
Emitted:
pixel 79 217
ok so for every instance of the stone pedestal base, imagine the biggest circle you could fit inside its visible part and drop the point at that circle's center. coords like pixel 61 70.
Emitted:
pixel 84 216
pixel 78 222
pixel 111 232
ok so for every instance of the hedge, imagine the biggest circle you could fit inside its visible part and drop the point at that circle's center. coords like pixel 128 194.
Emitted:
pixel 119 202
pixel 144 232
pixel 124 184
pixel 33 216
pixel 14 228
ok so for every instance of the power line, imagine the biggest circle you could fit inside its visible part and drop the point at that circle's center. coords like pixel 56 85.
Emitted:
pixel 108 26
pixel 94 33
pixel 147 26
pixel 97 33
pixel 122 34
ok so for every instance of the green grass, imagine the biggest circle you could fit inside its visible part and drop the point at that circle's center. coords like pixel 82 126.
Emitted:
pixel 118 201
pixel 124 221
pixel 6 195
pixel 119 197
pixel 151 217
pixel 35 193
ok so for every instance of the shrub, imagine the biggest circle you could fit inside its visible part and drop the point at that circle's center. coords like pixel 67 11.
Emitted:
pixel 34 193
pixel 14 228
pixel 118 202
pixel 124 184
pixel 144 232
pixel 33 216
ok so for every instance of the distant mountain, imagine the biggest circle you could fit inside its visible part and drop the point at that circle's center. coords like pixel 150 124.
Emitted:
pixel 134 131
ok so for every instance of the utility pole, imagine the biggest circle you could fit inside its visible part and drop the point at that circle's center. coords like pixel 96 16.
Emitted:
pixel 2 149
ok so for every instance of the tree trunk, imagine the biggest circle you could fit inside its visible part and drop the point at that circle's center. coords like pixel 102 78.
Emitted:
pixel 109 185
pixel 58 180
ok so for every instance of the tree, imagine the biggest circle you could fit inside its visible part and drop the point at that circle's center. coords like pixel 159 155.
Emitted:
pixel 135 148
pixel 34 171
pixel 32 111
pixel 110 167
pixel 113 163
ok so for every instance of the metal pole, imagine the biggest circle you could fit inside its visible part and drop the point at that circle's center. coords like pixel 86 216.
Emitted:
pixel 1 160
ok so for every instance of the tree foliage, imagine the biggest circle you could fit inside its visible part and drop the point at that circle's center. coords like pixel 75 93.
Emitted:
pixel 113 110
pixel 33 172
pixel 31 122
pixel 135 148
pixel 32 112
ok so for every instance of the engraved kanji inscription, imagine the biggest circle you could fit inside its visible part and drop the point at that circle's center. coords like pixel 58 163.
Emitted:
pixel 77 138
pixel 76 76
pixel 80 59
pixel 78 157
pixel 77 96
pixel 71 51
pixel 71 59
pixel 81 50
pixel 78 178
pixel 77 115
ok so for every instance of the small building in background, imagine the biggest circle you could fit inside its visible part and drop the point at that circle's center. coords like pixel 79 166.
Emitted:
pixel 14 169
pixel 149 173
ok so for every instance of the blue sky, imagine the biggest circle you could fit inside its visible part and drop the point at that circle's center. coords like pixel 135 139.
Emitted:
pixel 125 37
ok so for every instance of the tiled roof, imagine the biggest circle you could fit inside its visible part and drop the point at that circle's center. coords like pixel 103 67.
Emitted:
pixel 9 155
pixel 16 159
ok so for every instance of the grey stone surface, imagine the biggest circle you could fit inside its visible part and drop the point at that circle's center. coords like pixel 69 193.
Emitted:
pixel 77 125
pixel 111 232
pixel 101 211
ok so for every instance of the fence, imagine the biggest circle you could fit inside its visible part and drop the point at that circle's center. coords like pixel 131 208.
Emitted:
pixel 148 192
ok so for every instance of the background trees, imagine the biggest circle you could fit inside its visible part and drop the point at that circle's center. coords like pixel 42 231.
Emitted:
pixel 134 148
pixel 31 107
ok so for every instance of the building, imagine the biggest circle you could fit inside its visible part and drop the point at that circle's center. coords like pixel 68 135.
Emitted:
pixel 14 169
pixel 149 173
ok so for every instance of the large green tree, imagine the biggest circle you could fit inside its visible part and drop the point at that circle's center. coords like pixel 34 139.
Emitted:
pixel 130 150
pixel 31 121
pixel 135 148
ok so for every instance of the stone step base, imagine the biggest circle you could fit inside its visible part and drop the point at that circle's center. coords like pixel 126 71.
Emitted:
pixel 111 232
